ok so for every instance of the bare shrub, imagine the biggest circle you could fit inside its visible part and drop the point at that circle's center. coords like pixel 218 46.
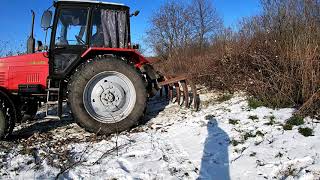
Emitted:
pixel 274 56
pixel 213 66
pixel 284 51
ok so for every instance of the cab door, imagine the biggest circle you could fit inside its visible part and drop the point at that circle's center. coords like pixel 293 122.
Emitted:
pixel 69 39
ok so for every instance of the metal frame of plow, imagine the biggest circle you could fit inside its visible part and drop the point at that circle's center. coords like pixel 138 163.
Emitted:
pixel 180 83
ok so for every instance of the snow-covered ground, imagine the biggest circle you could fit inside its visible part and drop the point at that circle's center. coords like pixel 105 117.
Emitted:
pixel 224 140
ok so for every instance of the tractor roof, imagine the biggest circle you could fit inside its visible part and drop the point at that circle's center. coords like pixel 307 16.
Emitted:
pixel 91 1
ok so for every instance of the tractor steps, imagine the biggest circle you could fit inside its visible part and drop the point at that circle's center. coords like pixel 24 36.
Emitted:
pixel 53 117
pixel 54 98
pixel 52 102
pixel 53 89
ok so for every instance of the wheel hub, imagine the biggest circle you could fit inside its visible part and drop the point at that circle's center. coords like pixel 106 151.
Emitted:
pixel 112 97
pixel 109 97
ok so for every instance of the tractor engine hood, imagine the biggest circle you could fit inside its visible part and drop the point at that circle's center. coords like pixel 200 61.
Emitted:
pixel 25 58
pixel 24 69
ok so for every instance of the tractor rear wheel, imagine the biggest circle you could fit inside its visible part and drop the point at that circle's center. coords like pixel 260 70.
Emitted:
pixel 107 96
pixel 8 115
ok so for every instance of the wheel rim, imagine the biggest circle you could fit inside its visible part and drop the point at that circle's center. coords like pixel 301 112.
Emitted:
pixel 109 97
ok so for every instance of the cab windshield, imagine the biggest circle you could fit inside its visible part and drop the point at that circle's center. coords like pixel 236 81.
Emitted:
pixel 72 27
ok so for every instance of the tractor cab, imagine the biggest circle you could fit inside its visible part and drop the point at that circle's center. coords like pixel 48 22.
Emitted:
pixel 79 25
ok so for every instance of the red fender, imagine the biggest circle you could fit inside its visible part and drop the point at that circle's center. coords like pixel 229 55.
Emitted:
pixel 130 54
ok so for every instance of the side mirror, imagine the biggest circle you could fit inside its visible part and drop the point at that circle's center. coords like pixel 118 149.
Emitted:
pixel 46 20
pixel 136 13
pixel 136 46
pixel 40 47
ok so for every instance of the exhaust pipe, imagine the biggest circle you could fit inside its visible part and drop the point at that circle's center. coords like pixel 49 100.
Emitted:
pixel 31 40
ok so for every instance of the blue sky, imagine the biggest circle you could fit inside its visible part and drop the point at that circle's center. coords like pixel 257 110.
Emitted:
pixel 15 16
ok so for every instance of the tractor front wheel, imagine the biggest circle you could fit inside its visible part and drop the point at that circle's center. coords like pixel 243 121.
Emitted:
pixel 8 115
pixel 107 96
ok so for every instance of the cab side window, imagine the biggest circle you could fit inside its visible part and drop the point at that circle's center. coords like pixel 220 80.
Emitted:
pixel 110 28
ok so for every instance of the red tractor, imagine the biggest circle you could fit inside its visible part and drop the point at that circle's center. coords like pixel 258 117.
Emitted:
pixel 89 63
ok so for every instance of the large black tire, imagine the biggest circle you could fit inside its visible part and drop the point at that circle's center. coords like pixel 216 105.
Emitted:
pixel 8 115
pixel 76 90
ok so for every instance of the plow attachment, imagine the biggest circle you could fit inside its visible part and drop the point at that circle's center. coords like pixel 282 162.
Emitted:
pixel 177 90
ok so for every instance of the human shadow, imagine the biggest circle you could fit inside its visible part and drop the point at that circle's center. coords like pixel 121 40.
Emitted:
pixel 215 159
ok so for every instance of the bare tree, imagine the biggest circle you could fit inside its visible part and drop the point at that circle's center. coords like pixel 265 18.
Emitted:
pixel 9 49
pixel 171 28
pixel 176 27
pixel 206 21
pixel 2 49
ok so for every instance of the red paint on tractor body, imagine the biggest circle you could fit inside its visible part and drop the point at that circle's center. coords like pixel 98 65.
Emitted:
pixel 34 68
pixel 24 69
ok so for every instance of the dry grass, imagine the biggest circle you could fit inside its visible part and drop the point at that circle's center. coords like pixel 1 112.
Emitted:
pixel 275 56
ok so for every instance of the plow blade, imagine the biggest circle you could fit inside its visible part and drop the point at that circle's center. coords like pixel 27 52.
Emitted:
pixel 181 85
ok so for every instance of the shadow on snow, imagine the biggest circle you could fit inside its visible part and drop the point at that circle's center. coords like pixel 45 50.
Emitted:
pixel 215 159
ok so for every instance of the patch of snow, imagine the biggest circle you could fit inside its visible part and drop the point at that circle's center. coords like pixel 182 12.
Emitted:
pixel 291 168
pixel 175 143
